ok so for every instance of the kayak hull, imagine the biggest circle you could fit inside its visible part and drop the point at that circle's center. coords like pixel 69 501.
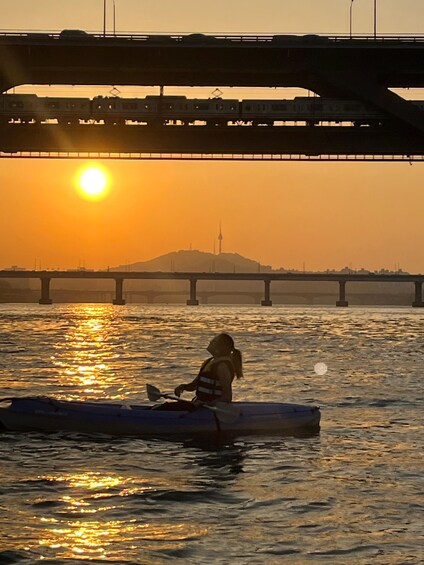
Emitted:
pixel 47 414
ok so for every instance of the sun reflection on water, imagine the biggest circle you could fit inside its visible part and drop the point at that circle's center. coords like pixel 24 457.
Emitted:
pixel 93 539
pixel 88 348
pixel 83 528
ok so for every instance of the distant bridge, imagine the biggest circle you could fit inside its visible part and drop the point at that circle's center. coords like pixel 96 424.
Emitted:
pixel 193 277
pixel 360 68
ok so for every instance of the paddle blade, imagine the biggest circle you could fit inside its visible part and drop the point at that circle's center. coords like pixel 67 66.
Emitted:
pixel 153 393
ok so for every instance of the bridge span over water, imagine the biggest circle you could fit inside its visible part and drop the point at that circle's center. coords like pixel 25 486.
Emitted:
pixel 193 278
pixel 358 68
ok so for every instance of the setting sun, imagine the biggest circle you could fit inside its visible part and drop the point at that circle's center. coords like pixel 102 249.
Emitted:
pixel 92 182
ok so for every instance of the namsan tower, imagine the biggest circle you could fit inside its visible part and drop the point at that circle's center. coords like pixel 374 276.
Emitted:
pixel 220 238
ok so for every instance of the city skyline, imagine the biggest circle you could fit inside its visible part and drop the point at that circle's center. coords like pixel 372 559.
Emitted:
pixel 82 265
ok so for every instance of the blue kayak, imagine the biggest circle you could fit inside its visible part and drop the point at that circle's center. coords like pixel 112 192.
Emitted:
pixel 46 414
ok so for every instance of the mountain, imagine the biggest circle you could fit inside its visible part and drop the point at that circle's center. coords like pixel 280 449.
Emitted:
pixel 197 261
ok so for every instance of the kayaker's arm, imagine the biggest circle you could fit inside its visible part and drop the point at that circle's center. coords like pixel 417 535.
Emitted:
pixel 190 387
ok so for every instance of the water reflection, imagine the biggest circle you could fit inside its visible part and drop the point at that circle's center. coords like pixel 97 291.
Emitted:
pixel 299 500
pixel 87 350
pixel 82 525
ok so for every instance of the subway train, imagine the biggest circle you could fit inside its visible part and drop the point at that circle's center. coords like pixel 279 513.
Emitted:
pixel 180 110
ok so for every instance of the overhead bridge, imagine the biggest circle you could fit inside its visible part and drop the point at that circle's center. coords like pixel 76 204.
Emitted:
pixel 360 68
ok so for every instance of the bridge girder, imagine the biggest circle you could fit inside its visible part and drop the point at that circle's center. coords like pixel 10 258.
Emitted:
pixel 277 140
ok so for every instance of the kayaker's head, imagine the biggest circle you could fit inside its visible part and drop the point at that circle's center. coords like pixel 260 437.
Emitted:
pixel 222 345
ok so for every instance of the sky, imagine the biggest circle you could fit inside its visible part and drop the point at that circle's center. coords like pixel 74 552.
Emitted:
pixel 288 214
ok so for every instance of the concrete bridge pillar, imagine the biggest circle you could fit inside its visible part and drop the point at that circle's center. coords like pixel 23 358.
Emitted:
pixel 192 301
pixel 45 291
pixel 119 297
pixel 342 295
pixel 267 300
pixel 418 302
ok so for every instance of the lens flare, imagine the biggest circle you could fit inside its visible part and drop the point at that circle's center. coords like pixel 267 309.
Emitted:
pixel 320 369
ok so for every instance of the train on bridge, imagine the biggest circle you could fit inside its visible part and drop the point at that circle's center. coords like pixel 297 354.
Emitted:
pixel 180 110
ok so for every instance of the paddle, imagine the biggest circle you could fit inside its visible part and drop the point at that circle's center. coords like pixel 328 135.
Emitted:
pixel 225 412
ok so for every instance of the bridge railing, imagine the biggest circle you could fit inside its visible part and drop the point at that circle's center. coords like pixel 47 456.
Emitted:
pixel 198 39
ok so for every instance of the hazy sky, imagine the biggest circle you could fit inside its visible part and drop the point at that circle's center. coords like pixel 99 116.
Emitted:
pixel 283 214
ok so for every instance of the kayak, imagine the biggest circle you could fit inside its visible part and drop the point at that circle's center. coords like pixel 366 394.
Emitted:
pixel 47 414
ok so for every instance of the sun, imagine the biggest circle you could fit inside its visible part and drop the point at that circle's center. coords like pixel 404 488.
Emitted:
pixel 93 182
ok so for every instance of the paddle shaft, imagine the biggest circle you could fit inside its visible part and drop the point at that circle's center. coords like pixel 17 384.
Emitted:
pixel 213 408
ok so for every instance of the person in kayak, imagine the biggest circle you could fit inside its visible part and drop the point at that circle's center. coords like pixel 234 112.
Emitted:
pixel 216 375
pixel 215 378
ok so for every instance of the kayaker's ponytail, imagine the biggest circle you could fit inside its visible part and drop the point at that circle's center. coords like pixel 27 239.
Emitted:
pixel 237 362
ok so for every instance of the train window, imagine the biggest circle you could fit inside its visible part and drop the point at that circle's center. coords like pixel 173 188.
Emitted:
pixel 248 108
pixel 112 106
pixel 233 108
pixel 129 105
pixel 278 107
pixel 70 105
pixel 147 106
pixel 201 106
pixel 170 106
pixel 16 104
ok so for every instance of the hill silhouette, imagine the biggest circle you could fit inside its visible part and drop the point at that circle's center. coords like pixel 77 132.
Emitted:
pixel 197 261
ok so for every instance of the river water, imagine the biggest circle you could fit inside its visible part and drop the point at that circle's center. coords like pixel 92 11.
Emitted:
pixel 354 493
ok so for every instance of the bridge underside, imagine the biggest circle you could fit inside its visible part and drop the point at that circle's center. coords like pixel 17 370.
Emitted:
pixel 194 141
pixel 360 69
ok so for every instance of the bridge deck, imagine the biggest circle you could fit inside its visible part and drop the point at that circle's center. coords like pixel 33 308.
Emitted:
pixel 162 275
pixel 195 141
pixel 357 68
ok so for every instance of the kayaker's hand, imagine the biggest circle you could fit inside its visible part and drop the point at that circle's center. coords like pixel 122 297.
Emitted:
pixel 179 390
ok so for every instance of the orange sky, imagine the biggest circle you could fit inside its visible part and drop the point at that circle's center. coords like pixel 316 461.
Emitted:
pixel 283 214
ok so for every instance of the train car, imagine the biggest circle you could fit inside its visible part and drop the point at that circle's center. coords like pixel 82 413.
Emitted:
pixel 18 107
pixel 30 108
pixel 64 110
pixel 117 111
pixel 165 110
pixel 312 110
pixel 212 111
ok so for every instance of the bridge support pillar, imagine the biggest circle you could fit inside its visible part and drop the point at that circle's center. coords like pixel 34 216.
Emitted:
pixel 192 301
pixel 45 291
pixel 119 297
pixel 418 302
pixel 342 295
pixel 267 300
